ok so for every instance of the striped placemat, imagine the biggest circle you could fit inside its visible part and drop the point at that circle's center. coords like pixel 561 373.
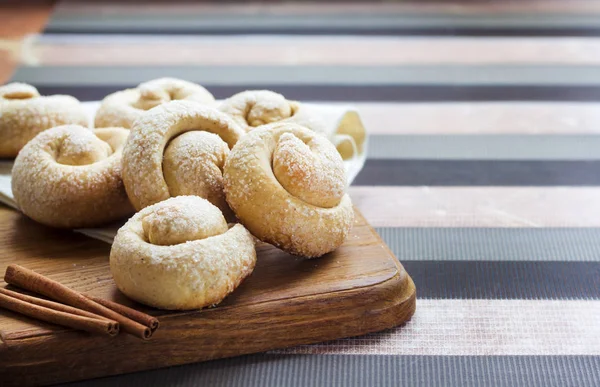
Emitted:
pixel 483 173
pixel 507 18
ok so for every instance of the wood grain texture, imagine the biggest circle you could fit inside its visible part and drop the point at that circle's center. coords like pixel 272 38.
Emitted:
pixel 287 301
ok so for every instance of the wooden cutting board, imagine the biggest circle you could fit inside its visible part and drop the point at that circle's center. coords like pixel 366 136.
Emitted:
pixel 287 301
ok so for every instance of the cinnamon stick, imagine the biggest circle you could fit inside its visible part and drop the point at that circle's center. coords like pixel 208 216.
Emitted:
pixel 143 318
pixel 57 317
pixel 30 280
pixel 52 305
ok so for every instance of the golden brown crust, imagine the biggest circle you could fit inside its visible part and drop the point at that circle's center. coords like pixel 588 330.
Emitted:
pixel 195 260
pixel 70 176
pixel 124 107
pixel 254 108
pixel 286 185
pixel 24 113
pixel 178 148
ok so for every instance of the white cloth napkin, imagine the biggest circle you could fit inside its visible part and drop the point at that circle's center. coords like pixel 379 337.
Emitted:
pixel 6 195
pixel 334 115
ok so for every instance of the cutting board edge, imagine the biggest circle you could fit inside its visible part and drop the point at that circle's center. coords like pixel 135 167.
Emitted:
pixel 391 313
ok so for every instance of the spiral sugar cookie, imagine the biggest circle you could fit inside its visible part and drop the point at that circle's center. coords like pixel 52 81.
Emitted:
pixel 124 107
pixel 24 113
pixel 178 148
pixel 180 254
pixel 254 108
pixel 70 176
pixel 287 184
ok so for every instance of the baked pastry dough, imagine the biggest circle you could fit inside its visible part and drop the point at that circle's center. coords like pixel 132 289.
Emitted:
pixel 287 185
pixel 178 148
pixel 24 113
pixel 70 176
pixel 180 254
pixel 124 107
pixel 254 108
pixel 340 124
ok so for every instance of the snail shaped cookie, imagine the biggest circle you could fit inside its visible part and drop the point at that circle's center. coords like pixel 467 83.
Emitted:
pixel 287 184
pixel 24 113
pixel 180 254
pixel 124 107
pixel 178 148
pixel 254 108
pixel 70 176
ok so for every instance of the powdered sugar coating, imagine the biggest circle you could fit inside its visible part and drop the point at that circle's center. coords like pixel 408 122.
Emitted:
pixel 193 162
pixel 18 90
pixel 299 225
pixel 82 150
pixel 70 176
pixel 254 108
pixel 310 171
pixel 176 222
pixel 24 114
pixel 124 107
pixel 193 165
pixel 193 274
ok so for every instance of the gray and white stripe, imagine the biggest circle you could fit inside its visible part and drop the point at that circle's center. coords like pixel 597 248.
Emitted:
pixel 433 75
pixel 478 206
pixel 481 327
